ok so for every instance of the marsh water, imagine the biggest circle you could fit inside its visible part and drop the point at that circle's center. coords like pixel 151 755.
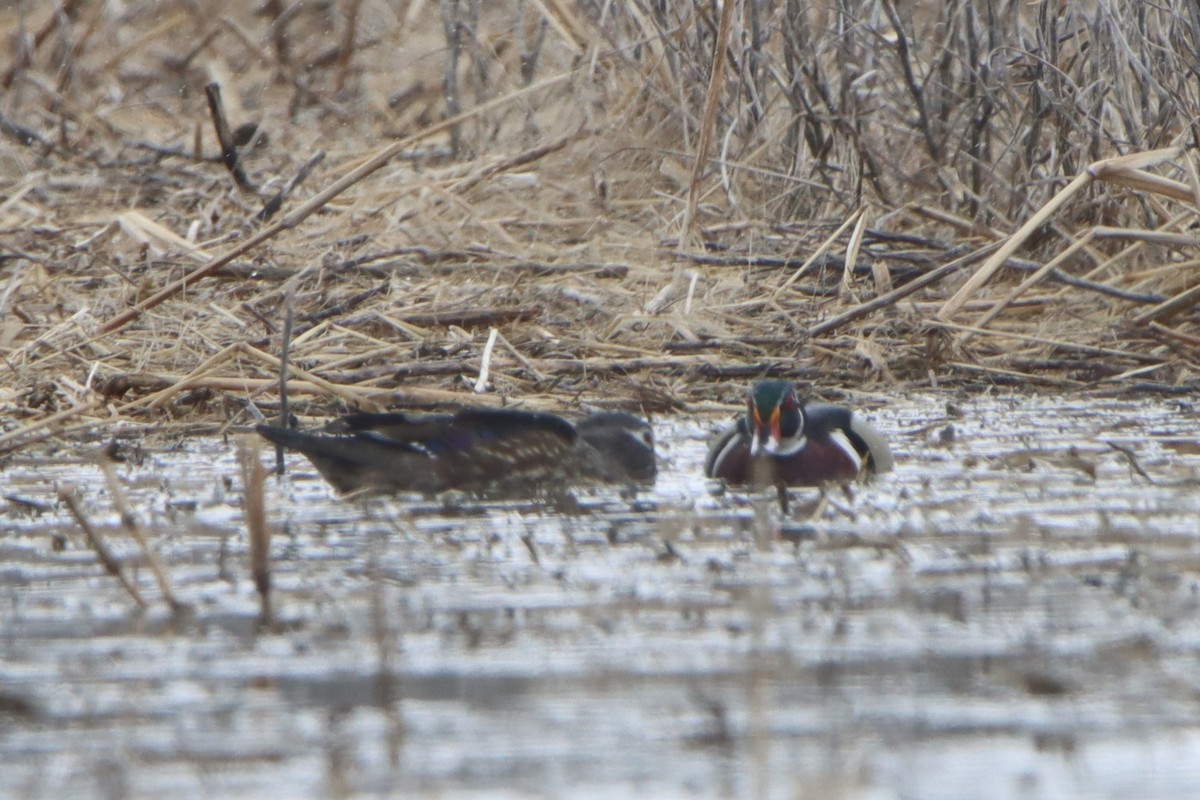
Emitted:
pixel 1013 613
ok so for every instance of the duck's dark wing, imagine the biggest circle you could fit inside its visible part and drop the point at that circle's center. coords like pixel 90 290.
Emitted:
pixel 482 448
pixel 364 461
pixel 411 428
pixel 729 455
pixel 870 443
pixel 822 418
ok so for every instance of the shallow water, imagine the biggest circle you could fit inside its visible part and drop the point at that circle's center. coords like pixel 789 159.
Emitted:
pixel 1012 613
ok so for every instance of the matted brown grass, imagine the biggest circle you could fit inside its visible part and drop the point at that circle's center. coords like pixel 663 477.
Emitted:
pixel 448 169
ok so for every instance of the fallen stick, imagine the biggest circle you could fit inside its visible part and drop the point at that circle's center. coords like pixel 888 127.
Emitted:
pixel 1188 298
pixel 1025 337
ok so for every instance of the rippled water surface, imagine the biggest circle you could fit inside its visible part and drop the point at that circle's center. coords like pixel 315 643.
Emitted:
pixel 1013 613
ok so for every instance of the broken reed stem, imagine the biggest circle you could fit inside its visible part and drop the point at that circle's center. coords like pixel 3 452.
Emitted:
pixel 253 477
pixel 70 496
pixel 229 150
pixel 519 356
pixel 1055 343
pixel 272 206
pixel 520 159
pixel 1125 253
pixel 1186 299
pixel 130 523
pixel 1021 378
pixel 1179 336
pixel 817 254
pixel 852 248
pixel 1012 244
pixel 200 377
pixel 485 366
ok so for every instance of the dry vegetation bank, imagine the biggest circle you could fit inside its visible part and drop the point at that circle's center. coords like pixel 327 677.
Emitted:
pixel 887 195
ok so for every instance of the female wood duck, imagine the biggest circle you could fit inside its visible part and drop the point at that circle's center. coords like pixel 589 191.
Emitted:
pixel 487 451
pixel 784 442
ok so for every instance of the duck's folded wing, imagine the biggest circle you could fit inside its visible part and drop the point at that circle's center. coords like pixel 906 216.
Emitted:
pixel 351 463
pixel 411 428
pixel 868 440
pixel 495 445
pixel 729 455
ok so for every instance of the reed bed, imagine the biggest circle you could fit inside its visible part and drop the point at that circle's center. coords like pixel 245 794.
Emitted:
pixel 563 203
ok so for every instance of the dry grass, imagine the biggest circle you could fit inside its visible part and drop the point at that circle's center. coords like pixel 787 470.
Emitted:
pixel 426 172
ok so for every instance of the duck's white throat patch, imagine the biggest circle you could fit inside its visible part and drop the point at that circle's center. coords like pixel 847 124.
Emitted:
pixel 785 447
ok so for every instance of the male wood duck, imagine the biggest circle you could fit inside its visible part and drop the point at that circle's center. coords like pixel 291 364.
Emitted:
pixel 782 441
pixel 502 452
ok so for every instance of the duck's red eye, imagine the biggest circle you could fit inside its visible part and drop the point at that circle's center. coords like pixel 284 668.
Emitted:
pixel 789 402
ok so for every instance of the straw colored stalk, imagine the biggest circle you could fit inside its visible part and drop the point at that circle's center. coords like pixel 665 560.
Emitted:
pixel 1122 170
pixel 253 477
pixel 70 496
pixel 131 525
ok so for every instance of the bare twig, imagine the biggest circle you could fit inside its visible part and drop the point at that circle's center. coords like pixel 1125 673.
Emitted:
pixel 229 149
pixel 275 203
pixel 1132 458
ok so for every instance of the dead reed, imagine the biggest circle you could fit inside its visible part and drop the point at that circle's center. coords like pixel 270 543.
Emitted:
pixel 258 533
pixel 129 521
pixel 637 204
pixel 112 565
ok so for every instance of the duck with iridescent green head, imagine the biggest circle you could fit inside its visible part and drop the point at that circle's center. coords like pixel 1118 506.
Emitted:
pixel 785 441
